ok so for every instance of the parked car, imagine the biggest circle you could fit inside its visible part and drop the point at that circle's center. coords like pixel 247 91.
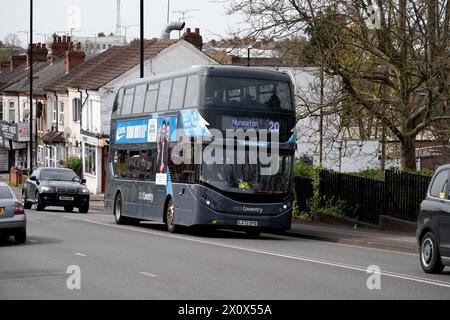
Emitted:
pixel 13 221
pixel 433 226
pixel 55 187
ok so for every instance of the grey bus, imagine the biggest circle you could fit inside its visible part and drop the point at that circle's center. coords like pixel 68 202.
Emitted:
pixel 145 183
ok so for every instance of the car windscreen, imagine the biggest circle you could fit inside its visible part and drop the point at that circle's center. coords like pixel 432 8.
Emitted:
pixel 58 175
pixel 5 193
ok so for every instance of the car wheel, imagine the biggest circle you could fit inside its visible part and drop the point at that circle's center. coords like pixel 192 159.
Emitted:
pixel 20 236
pixel 170 218
pixel 68 208
pixel 430 259
pixel 84 209
pixel 25 203
pixel 39 205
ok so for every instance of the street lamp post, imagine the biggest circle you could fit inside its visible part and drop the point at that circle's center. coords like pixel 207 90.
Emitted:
pixel 31 86
pixel 142 38
pixel 248 55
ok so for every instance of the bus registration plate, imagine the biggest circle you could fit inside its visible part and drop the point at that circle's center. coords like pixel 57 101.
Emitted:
pixel 247 223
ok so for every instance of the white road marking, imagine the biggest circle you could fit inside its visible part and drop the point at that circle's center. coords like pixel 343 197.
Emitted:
pixel 80 254
pixel 276 254
pixel 34 241
pixel 151 275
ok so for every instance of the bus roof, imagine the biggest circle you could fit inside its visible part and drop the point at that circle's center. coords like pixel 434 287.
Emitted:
pixel 218 71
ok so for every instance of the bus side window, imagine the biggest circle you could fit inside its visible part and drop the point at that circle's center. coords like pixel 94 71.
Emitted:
pixel 122 164
pixel 165 90
pixel 139 98
pixel 128 101
pixel 192 92
pixel 133 165
pixel 150 165
pixel 152 98
pixel 179 87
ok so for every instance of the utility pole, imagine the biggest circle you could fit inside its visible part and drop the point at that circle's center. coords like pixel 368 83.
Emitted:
pixel 31 87
pixel 142 39
pixel 168 10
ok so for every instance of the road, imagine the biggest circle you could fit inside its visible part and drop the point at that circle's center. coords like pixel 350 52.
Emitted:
pixel 146 262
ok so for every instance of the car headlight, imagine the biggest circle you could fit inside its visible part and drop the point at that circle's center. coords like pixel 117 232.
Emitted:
pixel 47 189
pixel 84 191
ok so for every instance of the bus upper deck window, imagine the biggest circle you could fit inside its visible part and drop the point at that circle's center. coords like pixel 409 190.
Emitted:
pixel 118 102
pixel 152 97
pixel 179 86
pixel 128 101
pixel 139 98
pixel 192 92
pixel 165 89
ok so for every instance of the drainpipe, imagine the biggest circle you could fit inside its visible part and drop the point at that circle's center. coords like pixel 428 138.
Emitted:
pixel 57 107
pixel 172 26
pixel 81 127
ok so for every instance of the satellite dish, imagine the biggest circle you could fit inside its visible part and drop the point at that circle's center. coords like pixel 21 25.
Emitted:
pixel 67 133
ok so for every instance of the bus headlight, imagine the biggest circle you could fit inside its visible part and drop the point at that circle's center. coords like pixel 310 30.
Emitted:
pixel 207 202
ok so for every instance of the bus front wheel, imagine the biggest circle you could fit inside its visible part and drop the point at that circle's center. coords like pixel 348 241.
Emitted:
pixel 170 217
pixel 118 210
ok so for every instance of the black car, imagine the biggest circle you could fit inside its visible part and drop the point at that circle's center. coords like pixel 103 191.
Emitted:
pixel 433 226
pixel 55 187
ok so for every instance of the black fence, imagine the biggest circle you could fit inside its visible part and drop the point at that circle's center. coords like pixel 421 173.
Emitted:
pixel 399 195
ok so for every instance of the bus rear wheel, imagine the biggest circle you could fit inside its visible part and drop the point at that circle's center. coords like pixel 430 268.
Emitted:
pixel 170 217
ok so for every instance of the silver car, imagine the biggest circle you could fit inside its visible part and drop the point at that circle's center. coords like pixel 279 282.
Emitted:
pixel 13 221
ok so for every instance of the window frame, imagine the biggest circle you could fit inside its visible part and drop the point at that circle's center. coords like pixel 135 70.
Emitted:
pixel 165 108
pixel 447 198
pixel 61 113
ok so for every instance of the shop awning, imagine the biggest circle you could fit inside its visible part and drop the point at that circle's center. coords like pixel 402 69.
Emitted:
pixel 53 137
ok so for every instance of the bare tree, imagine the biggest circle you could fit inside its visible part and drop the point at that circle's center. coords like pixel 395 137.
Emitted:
pixel 11 42
pixel 392 56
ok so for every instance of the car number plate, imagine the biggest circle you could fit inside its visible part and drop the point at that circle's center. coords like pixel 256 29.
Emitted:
pixel 2 211
pixel 66 198
pixel 247 223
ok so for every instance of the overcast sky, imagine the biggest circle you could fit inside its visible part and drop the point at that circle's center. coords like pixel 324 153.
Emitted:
pixel 100 16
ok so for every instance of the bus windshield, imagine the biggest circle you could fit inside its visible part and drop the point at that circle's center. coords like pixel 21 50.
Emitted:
pixel 247 178
pixel 267 95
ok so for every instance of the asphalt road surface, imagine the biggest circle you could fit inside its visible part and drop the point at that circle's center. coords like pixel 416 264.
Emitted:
pixel 146 262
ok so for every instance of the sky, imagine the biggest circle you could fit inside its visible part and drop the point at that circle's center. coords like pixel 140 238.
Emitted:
pixel 93 16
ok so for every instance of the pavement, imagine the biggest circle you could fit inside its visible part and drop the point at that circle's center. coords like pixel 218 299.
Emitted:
pixel 147 262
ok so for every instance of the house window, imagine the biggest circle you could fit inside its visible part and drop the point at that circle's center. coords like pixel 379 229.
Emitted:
pixel 89 159
pixel 50 154
pixel 61 113
pixel 1 110
pixel 12 112
pixel 55 112
pixel 76 110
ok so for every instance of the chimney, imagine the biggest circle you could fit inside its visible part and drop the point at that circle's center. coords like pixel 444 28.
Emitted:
pixel 193 38
pixel 17 61
pixel 60 46
pixel 74 58
pixel 40 53
pixel 4 65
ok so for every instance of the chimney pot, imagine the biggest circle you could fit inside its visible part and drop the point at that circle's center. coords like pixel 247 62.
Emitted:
pixel 197 30
pixel 188 30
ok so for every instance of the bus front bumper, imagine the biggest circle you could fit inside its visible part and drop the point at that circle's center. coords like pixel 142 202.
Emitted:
pixel 209 217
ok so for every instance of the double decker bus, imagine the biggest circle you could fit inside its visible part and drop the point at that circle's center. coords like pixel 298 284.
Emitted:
pixel 146 179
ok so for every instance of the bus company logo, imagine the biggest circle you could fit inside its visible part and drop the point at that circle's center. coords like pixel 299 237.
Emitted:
pixel 248 209
pixel 121 133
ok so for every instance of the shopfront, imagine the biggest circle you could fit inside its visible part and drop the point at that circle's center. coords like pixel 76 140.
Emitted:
pixel 93 155
pixel 13 145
